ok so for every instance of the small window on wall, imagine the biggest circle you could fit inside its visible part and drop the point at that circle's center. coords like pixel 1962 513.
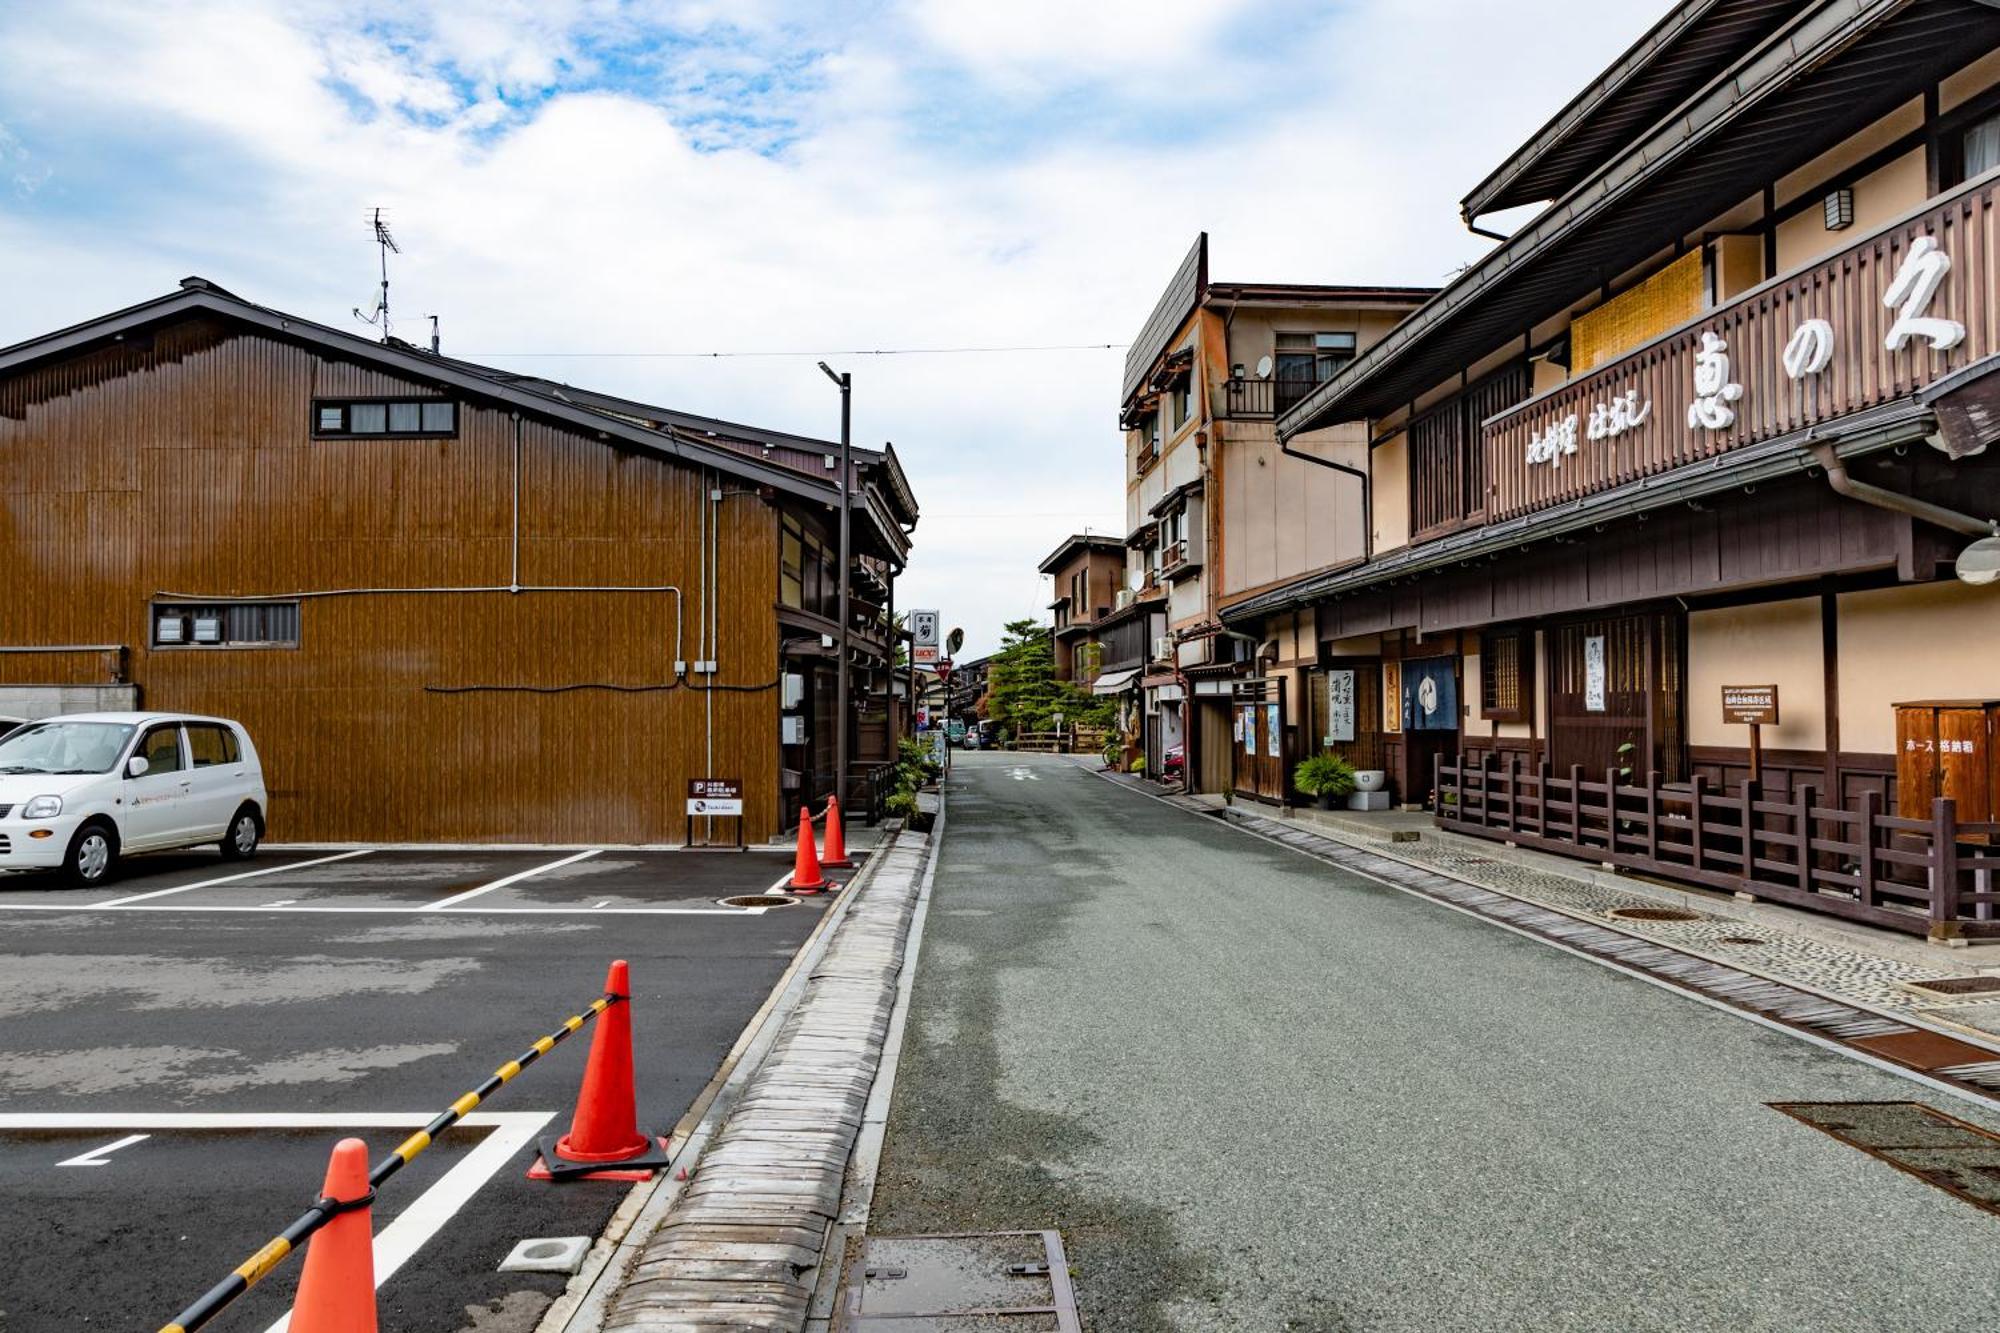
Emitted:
pixel 1977 149
pixel 399 418
pixel 234 625
pixel 1506 674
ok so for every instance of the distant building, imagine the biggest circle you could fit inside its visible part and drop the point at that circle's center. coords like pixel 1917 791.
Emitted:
pixel 1088 572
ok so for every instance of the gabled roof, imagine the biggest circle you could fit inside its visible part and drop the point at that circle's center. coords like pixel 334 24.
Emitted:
pixel 702 441
pixel 1695 41
pixel 1079 542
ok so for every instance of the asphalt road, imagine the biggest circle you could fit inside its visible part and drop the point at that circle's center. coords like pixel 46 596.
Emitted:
pixel 330 990
pixel 1259 1093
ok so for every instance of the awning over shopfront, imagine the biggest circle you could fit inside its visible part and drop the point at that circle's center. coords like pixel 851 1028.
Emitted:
pixel 1115 682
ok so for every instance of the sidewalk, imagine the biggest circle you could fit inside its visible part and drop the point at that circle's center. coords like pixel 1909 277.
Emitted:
pixel 1845 960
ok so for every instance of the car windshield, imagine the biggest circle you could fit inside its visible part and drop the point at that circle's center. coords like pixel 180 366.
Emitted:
pixel 64 747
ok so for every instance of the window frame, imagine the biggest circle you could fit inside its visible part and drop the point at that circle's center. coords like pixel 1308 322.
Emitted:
pixel 388 402
pixel 188 612
pixel 1523 639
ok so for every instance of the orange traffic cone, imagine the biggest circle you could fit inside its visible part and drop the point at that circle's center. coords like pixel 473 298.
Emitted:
pixel 835 857
pixel 337 1290
pixel 806 876
pixel 605 1130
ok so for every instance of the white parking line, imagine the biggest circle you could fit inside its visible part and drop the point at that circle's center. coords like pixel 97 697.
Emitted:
pixel 778 887
pixel 396 1243
pixel 390 910
pixel 502 883
pixel 231 879
pixel 96 1156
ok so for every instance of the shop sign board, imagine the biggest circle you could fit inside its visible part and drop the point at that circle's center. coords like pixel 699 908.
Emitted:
pixel 1272 732
pixel 1756 705
pixel 1339 706
pixel 924 637
pixel 1593 674
pixel 715 796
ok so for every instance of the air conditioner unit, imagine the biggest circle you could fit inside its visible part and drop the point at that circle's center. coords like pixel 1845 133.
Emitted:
pixel 1163 648
pixel 1125 598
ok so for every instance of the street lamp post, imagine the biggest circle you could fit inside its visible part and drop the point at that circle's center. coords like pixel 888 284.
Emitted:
pixel 846 383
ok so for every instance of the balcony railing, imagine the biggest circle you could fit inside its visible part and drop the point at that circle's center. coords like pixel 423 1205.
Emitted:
pixel 1173 555
pixel 1262 399
pixel 1870 324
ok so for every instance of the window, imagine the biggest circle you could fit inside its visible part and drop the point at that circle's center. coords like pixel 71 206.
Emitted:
pixel 1307 359
pixel 1506 674
pixel 1978 147
pixel 161 749
pixel 211 745
pixel 1183 404
pixel 402 417
pixel 791 567
pixel 234 625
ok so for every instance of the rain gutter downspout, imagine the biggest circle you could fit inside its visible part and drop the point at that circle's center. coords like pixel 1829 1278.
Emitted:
pixel 1367 492
pixel 1949 519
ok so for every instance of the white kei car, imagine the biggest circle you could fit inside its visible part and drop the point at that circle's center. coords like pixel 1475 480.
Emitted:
pixel 81 790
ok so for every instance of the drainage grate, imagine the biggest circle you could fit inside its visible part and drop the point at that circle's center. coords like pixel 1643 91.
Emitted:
pixel 759 900
pixel 1957 985
pixel 1653 914
pixel 1003 1281
pixel 1959 1158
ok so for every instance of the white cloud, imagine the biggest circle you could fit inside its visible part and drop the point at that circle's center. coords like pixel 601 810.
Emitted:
pixel 592 219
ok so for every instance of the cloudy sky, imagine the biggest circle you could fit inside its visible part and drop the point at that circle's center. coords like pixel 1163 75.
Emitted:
pixel 580 185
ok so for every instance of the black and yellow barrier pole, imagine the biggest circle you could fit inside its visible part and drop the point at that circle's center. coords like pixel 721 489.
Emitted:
pixel 324 1210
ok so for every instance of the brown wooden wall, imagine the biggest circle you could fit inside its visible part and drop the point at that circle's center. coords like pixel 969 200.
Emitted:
pixel 184 465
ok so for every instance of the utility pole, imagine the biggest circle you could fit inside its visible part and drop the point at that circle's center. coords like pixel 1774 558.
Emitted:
pixel 846 383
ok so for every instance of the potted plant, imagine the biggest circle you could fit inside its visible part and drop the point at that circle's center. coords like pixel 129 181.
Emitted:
pixel 1324 777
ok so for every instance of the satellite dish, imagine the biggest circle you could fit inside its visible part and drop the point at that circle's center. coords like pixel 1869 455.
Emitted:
pixel 1264 368
pixel 1979 563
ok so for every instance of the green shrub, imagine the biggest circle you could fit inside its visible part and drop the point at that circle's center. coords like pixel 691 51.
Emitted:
pixel 1139 764
pixel 1324 775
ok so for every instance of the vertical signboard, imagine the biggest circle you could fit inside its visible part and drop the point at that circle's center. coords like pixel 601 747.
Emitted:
pixel 1593 674
pixel 924 638
pixel 1339 706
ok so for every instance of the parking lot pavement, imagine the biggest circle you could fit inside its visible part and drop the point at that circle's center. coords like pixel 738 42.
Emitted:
pixel 367 879
pixel 358 998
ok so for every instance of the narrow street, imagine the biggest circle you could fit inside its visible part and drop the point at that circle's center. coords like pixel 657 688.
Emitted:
pixel 1258 1093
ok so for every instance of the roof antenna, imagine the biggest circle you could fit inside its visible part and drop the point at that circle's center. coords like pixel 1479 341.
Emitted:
pixel 434 333
pixel 387 245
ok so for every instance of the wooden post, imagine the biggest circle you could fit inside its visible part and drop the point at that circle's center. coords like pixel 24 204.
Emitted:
pixel 1513 793
pixel 1944 869
pixel 1756 754
pixel 1576 805
pixel 1871 810
pixel 1806 792
pixel 1611 811
pixel 1751 791
pixel 1653 814
pixel 1486 776
pixel 1700 798
pixel 1542 798
pixel 1437 785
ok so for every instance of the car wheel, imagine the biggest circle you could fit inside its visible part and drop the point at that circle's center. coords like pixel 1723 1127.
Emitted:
pixel 240 843
pixel 92 856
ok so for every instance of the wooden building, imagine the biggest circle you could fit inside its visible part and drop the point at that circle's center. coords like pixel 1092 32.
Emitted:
pixel 1219 508
pixel 450 603
pixel 1718 415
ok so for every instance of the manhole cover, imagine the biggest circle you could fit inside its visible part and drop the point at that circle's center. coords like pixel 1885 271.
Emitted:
pixel 1957 985
pixel 1654 914
pixel 760 900
pixel 1739 939
pixel 994 1282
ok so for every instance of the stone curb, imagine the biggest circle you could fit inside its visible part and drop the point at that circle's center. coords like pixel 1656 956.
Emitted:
pixel 741 1247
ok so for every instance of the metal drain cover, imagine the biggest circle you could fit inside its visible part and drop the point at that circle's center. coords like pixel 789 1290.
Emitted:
pixel 1957 985
pixel 980 1282
pixel 1955 1156
pixel 759 900
pixel 1653 914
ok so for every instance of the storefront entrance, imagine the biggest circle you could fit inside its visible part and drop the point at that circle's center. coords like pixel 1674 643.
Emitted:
pixel 1617 696
pixel 1258 739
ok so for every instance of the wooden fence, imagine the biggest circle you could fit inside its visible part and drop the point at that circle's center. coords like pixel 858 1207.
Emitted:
pixel 1062 740
pixel 1924 876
